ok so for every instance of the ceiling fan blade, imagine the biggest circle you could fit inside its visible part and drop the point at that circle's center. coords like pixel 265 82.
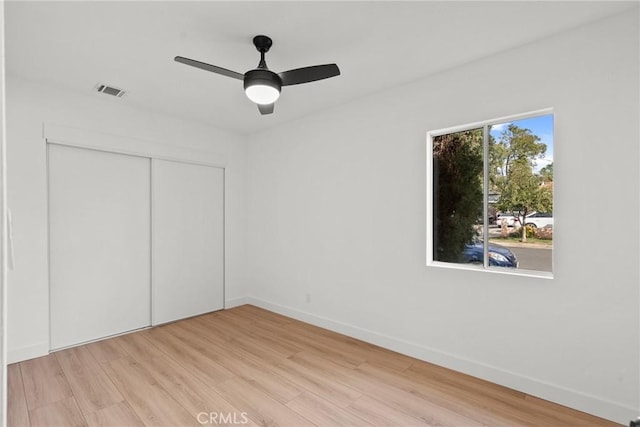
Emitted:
pixel 209 67
pixel 265 108
pixel 309 74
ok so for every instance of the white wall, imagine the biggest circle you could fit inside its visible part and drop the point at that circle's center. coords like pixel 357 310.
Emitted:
pixel 29 106
pixel 3 222
pixel 336 210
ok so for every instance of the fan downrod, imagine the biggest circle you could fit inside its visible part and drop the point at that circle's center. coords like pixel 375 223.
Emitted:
pixel 262 43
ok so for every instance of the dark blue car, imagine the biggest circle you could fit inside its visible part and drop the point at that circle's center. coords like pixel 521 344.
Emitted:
pixel 499 256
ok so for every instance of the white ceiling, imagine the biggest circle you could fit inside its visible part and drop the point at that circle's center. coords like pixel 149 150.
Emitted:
pixel 377 45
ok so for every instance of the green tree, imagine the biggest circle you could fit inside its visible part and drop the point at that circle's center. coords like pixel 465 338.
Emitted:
pixel 457 195
pixel 497 157
pixel 546 173
pixel 513 156
pixel 515 144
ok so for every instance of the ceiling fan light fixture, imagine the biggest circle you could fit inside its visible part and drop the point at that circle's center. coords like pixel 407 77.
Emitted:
pixel 262 86
pixel 262 94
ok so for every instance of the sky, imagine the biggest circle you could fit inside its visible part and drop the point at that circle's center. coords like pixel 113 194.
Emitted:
pixel 542 126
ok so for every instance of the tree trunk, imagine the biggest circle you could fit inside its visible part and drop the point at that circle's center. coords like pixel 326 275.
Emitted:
pixel 504 229
pixel 521 219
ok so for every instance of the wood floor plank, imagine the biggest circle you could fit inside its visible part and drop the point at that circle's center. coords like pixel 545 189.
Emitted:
pixel 333 391
pixel 323 413
pixel 91 387
pixel 360 351
pixel 262 341
pixel 188 390
pixel 560 414
pixel 64 412
pixel 402 400
pixel 261 408
pixel 380 414
pixel 117 415
pixel 329 350
pixel 195 362
pixel 151 403
pixel 218 412
pixel 106 350
pixel 199 400
pixel 260 349
pixel 507 403
pixel 44 382
pixel 295 337
pixel 244 367
pixel 17 412
pixel 275 339
pixel 473 407
pixel 137 346
pixel 430 372
pixel 247 317
pixel 218 331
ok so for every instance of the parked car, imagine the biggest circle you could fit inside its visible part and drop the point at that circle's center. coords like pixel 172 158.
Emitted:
pixel 539 219
pixel 510 217
pixel 499 256
pixel 491 220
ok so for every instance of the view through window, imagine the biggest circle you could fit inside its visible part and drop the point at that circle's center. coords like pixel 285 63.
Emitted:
pixel 491 188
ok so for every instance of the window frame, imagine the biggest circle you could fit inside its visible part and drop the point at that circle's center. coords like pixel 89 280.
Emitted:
pixel 485 125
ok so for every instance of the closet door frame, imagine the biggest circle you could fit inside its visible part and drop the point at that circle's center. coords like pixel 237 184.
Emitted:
pixel 85 139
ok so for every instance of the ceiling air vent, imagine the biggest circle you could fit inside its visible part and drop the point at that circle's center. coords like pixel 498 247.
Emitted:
pixel 110 90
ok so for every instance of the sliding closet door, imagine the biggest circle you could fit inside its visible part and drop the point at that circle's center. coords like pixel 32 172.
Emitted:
pixel 99 237
pixel 188 240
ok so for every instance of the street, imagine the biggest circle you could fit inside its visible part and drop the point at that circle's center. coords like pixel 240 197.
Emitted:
pixel 530 257
pixel 538 259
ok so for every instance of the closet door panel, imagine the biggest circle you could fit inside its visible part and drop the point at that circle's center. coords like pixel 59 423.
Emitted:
pixel 99 237
pixel 188 240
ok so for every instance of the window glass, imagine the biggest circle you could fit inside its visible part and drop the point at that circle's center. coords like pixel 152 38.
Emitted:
pixel 492 195
pixel 457 196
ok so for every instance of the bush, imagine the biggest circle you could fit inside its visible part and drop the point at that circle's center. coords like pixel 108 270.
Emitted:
pixel 531 232
pixel 544 233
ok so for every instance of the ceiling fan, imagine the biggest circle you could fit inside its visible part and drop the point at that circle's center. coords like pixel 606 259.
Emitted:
pixel 262 85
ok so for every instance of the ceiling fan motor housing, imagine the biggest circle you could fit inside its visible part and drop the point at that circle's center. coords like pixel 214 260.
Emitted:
pixel 264 77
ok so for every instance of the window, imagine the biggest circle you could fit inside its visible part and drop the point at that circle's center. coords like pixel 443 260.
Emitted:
pixel 490 195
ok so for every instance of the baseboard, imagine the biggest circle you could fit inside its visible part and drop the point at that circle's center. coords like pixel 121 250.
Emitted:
pixel 29 352
pixel 235 302
pixel 571 398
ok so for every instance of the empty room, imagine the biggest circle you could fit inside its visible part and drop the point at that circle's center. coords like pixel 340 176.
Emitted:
pixel 329 213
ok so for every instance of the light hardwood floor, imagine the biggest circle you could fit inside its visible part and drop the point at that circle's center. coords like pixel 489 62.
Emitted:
pixel 248 366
